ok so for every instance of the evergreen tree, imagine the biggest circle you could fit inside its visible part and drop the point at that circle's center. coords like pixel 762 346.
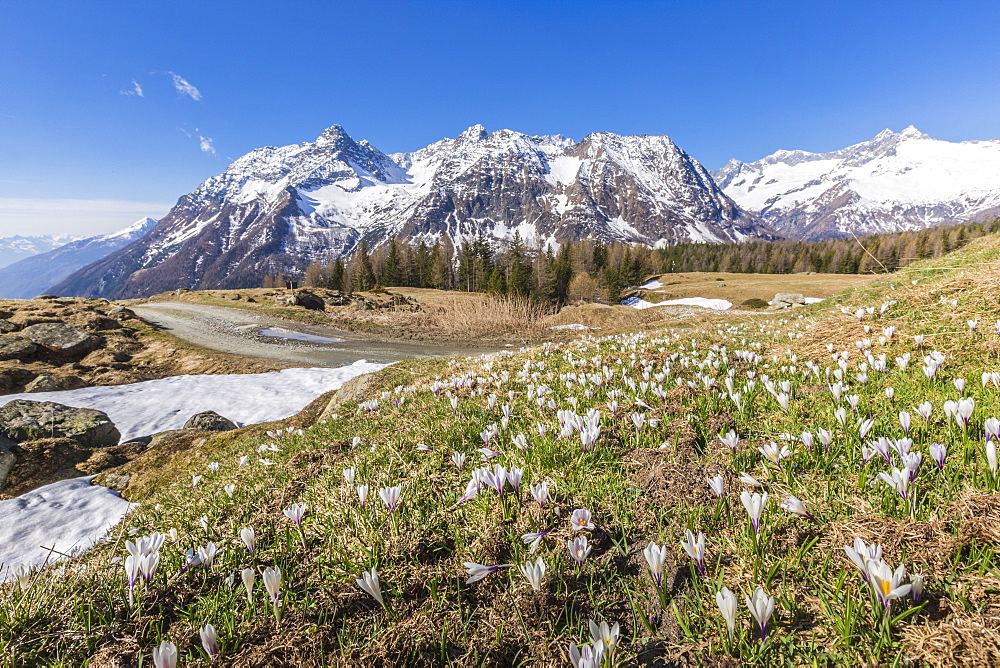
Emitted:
pixel 337 275
pixel 391 267
pixel 495 285
pixel 364 275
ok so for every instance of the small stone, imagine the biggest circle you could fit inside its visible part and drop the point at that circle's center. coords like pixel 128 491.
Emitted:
pixel 42 383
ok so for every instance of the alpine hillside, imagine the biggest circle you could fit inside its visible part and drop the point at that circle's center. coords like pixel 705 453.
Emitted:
pixel 891 183
pixel 34 275
pixel 277 209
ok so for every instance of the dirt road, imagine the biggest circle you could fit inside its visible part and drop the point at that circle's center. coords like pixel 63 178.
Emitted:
pixel 239 332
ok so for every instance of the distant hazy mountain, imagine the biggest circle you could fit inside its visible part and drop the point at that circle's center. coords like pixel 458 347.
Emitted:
pixel 279 208
pixel 17 248
pixel 34 275
pixel 894 182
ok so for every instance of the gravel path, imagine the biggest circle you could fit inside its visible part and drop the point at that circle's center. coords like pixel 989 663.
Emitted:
pixel 237 331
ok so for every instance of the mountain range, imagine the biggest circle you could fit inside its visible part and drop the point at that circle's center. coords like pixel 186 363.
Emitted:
pixel 896 181
pixel 278 208
pixel 19 247
pixel 34 275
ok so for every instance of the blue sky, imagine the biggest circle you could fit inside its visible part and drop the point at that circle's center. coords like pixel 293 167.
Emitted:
pixel 78 153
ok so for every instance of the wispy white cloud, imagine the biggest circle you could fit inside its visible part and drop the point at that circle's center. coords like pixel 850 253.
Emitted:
pixel 184 87
pixel 84 217
pixel 135 90
pixel 205 143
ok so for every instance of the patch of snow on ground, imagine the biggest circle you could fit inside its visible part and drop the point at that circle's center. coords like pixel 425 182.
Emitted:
pixel 65 518
pixel 651 285
pixel 574 326
pixel 281 333
pixel 714 304
pixel 140 409
pixel 813 300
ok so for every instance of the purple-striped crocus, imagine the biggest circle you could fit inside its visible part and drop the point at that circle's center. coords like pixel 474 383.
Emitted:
pixel 581 520
pixel 695 547
pixel 479 571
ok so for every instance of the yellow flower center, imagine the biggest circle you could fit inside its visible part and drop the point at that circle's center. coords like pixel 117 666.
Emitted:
pixel 885 587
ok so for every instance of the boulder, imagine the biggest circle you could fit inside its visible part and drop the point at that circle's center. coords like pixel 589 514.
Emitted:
pixel 210 421
pixel 302 298
pixel 42 383
pixel 121 313
pixel 784 300
pixel 15 347
pixel 60 337
pixel 6 326
pixel 23 420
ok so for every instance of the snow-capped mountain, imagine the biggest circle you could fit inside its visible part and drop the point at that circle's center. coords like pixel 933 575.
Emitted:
pixel 279 208
pixel 34 275
pixel 894 182
pixel 18 247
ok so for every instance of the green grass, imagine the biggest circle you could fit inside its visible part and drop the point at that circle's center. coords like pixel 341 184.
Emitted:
pixel 639 485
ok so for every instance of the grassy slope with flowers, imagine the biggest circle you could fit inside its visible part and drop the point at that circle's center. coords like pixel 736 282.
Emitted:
pixel 640 485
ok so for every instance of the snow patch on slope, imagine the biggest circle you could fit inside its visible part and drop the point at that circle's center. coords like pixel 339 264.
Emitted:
pixel 65 518
pixel 152 406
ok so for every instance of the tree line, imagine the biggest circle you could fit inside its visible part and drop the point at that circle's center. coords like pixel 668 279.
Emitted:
pixel 590 270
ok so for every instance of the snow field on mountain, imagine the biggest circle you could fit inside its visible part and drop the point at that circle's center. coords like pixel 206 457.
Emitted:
pixel 149 407
pixel 892 182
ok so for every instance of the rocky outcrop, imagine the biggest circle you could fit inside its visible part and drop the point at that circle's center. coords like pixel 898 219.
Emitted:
pixel 23 420
pixel 62 338
pixel 210 421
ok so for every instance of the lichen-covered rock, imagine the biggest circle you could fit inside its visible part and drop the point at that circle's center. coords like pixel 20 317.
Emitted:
pixel 6 326
pixel 15 347
pixel 7 460
pixel 210 421
pixel 23 420
pixel 60 337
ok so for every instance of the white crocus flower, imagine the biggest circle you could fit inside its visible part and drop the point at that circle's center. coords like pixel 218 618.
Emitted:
pixel 370 583
pixel 165 656
pixel 761 607
pixel 534 573
pixel 656 557
pixel 727 606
